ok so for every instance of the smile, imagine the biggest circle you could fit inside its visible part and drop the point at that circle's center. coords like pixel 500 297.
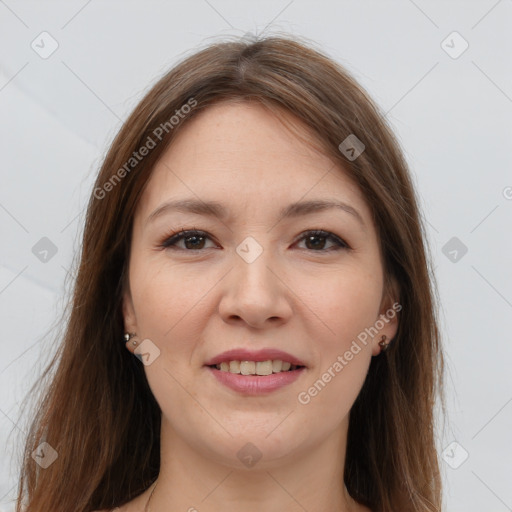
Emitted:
pixel 256 367
pixel 252 383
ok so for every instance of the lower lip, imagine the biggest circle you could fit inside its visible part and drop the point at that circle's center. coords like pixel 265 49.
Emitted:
pixel 256 384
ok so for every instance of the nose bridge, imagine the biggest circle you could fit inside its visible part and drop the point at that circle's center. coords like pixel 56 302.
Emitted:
pixel 254 292
pixel 253 262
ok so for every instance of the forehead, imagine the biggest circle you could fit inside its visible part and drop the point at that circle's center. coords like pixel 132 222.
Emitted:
pixel 241 154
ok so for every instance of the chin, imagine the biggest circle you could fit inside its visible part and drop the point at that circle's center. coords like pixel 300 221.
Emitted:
pixel 249 449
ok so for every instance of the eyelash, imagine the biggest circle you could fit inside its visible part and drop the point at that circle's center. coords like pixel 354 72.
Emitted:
pixel 170 241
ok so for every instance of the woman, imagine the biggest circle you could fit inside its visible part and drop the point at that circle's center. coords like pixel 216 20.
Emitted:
pixel 253 325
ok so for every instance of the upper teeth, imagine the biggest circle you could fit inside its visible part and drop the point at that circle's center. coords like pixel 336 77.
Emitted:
pixel 256 367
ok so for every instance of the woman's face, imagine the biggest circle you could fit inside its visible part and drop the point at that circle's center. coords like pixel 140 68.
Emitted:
pixel 252 279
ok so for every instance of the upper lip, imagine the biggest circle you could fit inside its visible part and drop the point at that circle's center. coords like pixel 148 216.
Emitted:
pixel 242 354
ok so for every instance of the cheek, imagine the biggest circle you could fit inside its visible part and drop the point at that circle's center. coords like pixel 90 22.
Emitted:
pixel 346 306
pixel 327 398
pixel 168 305
pixel 165 301
pixel 165 293
pixel 346 301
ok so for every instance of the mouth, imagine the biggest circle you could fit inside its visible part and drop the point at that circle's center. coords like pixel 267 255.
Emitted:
pixel 256 368
pixel 255 372
pixel 255 362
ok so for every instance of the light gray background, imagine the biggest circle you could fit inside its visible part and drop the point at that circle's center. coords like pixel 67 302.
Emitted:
pixel 452 116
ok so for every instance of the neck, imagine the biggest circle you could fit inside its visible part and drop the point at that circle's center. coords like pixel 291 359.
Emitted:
pixel 191 479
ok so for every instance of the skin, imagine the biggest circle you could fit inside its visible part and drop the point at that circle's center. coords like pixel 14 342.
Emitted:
pixel 294 296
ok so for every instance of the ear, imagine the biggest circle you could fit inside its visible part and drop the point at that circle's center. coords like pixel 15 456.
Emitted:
pixel 130 320
pixel 388 319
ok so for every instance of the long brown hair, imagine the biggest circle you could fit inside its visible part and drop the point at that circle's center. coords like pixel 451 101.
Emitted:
pixel 97 410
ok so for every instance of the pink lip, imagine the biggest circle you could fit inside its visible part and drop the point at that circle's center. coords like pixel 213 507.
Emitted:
pixel 256 384
pixel 240 354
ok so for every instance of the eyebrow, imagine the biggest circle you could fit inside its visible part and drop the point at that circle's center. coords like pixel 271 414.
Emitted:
pixel 218 210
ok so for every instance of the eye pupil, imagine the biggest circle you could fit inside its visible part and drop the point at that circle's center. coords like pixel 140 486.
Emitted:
pixel 194 237
pixel 315 245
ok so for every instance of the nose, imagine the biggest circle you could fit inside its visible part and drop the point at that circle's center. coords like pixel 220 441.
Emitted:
pixel 256 293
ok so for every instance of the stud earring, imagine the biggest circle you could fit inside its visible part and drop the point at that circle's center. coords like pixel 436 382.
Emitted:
pixel 128 336
pixel 382 343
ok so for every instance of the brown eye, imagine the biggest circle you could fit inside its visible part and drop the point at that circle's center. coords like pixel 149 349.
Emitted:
pixel 316 241
pixel 193 240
